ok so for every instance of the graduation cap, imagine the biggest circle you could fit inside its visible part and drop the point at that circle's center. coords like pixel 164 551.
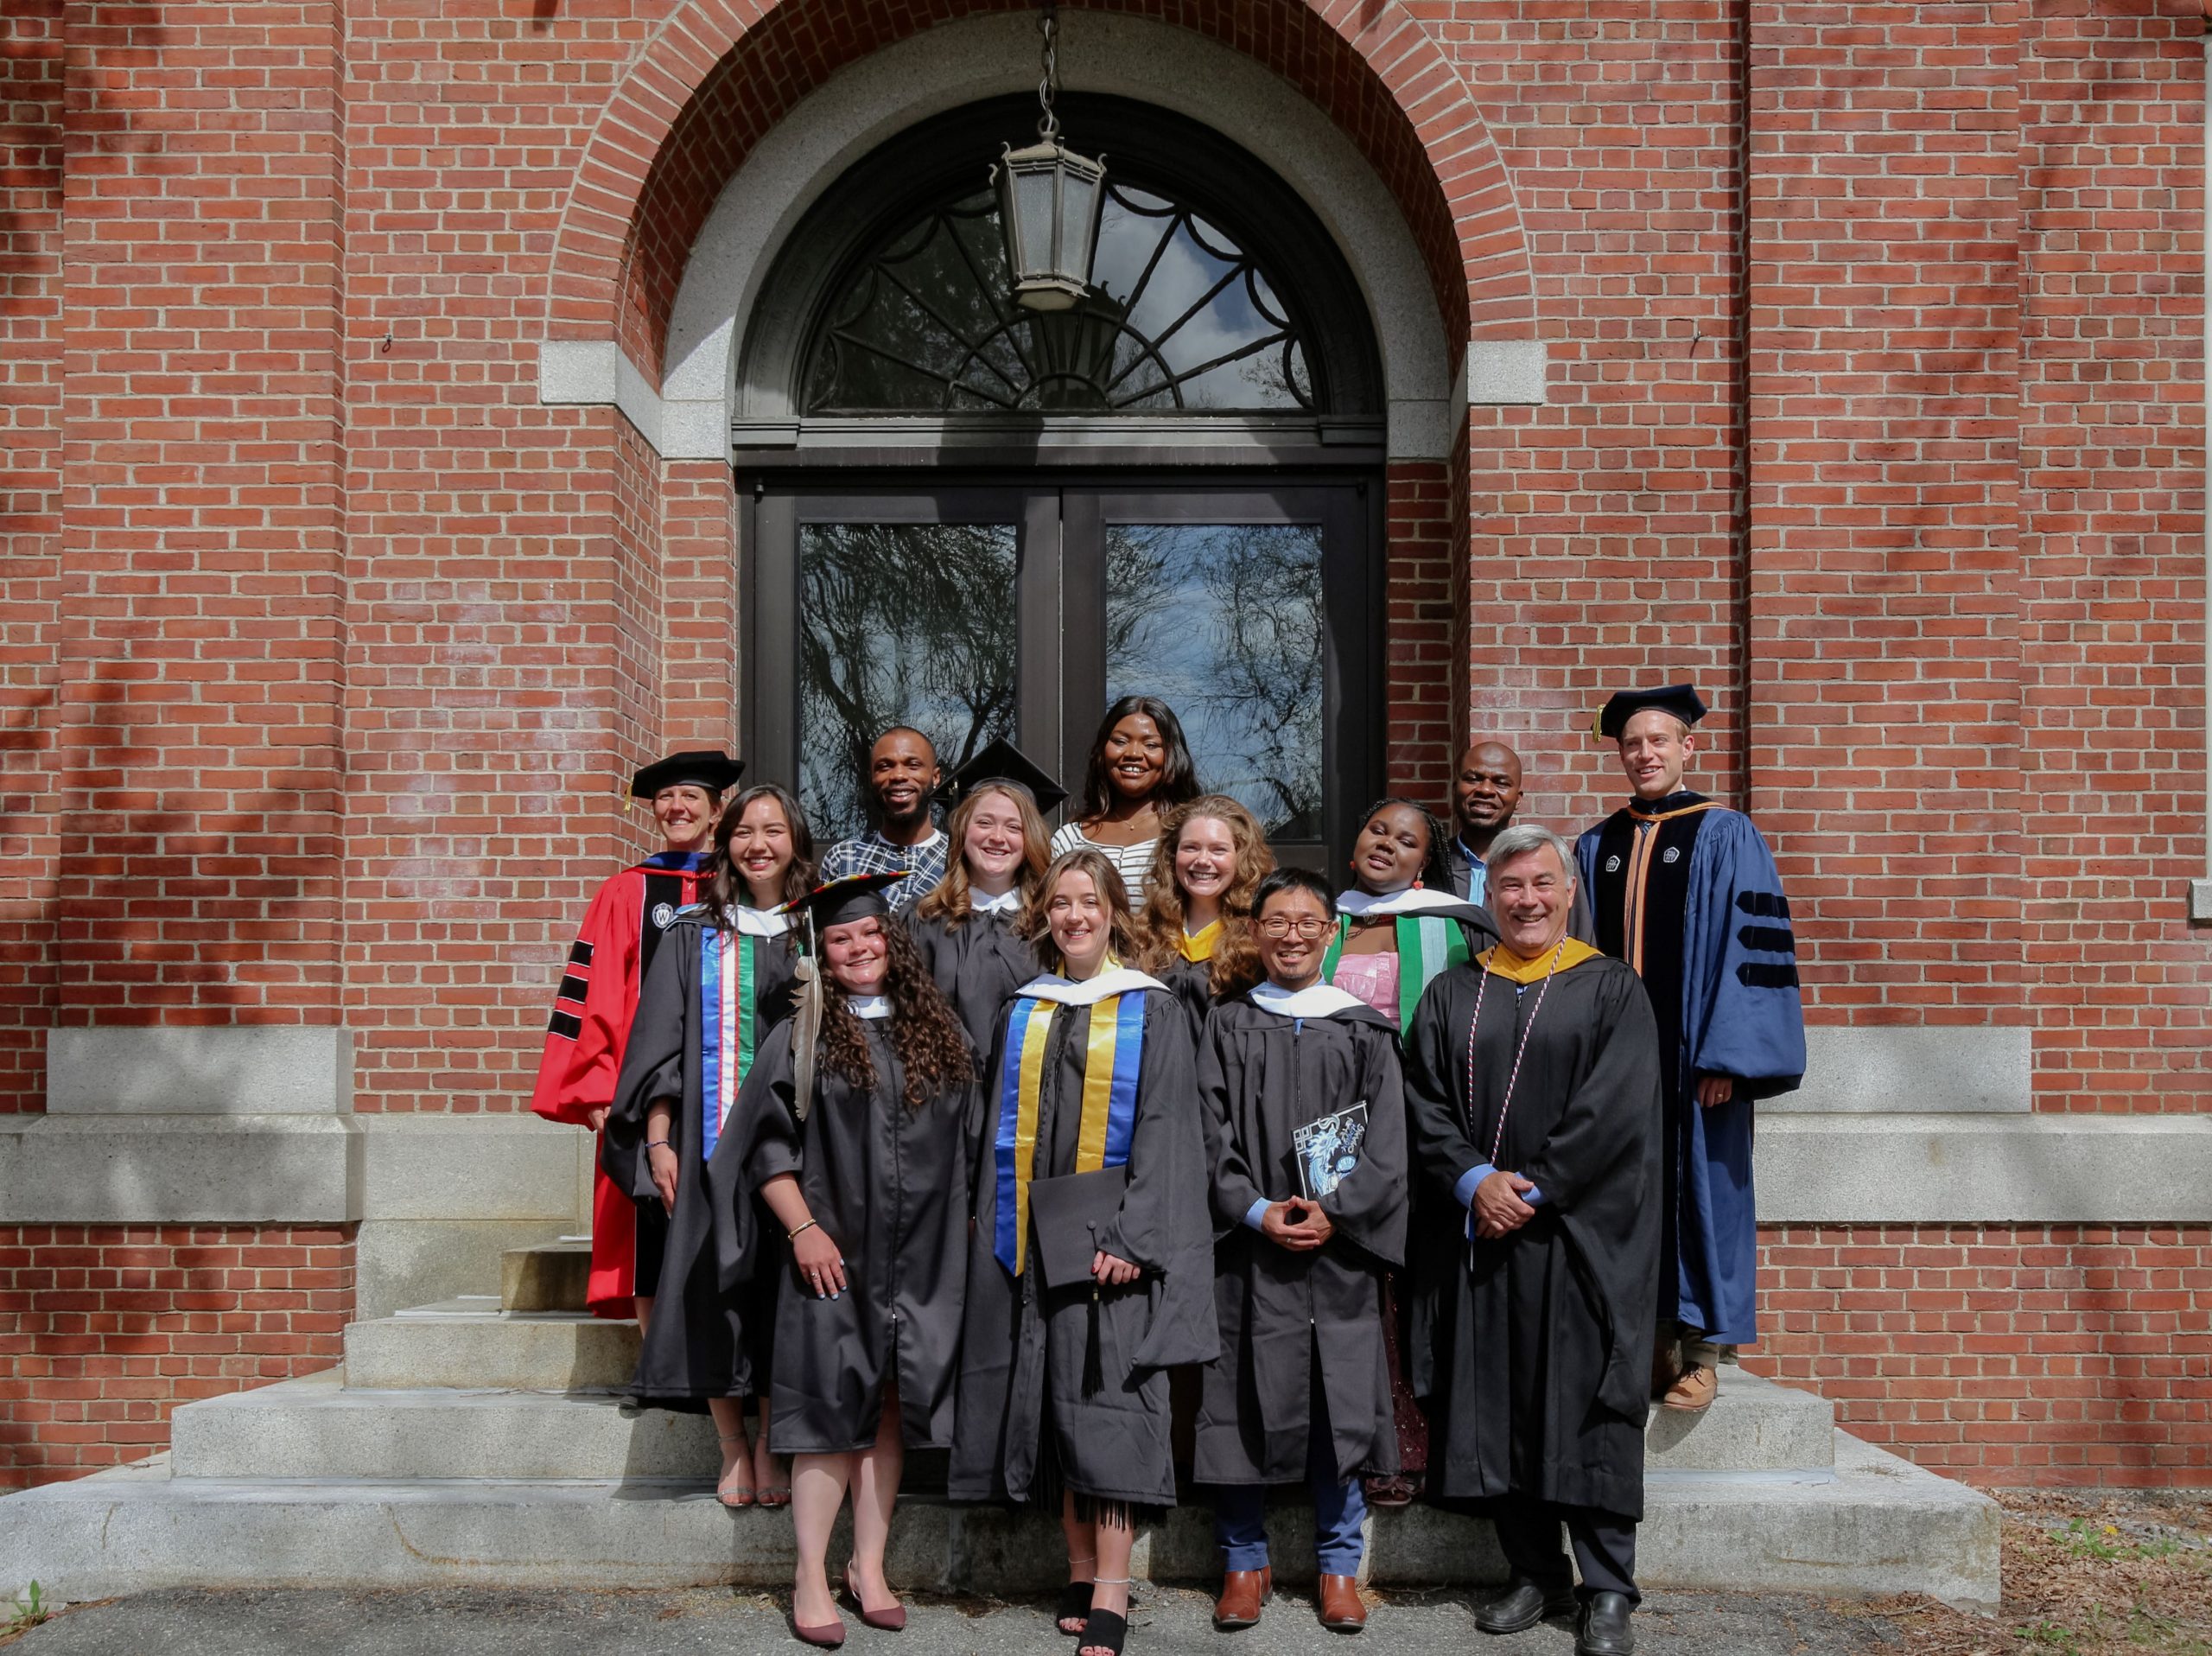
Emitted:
pixel 839 902
pixel 707 767
pixel 1002 761
pixel 1682 701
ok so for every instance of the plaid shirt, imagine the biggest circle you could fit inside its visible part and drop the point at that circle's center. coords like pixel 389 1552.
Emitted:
pixel 871 853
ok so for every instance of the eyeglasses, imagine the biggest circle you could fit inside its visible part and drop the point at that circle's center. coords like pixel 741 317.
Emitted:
pixel 1280 928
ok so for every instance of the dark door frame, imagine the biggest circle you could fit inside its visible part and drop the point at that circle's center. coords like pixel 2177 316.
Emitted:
pixel 1061 518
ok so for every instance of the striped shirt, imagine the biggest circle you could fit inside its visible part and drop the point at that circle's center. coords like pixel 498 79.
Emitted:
pixel 1131 862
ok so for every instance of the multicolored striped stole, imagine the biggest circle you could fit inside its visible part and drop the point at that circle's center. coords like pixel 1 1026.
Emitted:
pixel 1112 1053
pixel 729 1033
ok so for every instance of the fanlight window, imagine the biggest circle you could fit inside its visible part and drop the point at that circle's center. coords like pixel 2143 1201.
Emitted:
pixel 1180 319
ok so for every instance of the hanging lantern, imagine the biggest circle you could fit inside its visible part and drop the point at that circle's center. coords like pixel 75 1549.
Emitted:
pixel 1050 201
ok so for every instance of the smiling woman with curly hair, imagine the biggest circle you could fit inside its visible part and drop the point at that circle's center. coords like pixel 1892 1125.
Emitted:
pixel 1212 857
pixel 864 1164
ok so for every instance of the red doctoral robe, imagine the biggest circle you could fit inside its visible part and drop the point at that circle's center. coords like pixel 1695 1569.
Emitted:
pixel 589 1028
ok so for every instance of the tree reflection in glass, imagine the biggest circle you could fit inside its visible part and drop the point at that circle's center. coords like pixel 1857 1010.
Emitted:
pixel 899 624
pixel 1224 622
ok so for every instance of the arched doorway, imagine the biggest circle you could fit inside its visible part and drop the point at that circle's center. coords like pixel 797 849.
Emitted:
pixel 982 522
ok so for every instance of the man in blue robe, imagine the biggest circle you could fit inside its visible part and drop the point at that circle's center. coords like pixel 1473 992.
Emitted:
pixel 1685 890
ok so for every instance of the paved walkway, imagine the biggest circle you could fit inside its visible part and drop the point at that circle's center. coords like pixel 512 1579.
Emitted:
pixel 1171 1623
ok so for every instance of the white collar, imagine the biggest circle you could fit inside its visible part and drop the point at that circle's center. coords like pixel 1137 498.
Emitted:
pixel 869 1006
pixel 1315 1001
pixel 1120 981
pixel 761 922
pixel 1005 902
pixel 1414 900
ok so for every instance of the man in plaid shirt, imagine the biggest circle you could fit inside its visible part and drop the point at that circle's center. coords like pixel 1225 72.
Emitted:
pixel 903 777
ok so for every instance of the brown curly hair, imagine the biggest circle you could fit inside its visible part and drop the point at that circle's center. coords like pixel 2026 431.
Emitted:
pixel 927 1035
pixel 948 898
pixel 1162 927
pixel 726 888
pixel 1122 941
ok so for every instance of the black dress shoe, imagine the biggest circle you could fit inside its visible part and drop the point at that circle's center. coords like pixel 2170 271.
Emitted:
pixel 1603 1629
pixel 1524 1604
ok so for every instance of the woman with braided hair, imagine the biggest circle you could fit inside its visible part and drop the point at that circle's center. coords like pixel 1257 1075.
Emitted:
pixel 1403 926
pixel 859 1149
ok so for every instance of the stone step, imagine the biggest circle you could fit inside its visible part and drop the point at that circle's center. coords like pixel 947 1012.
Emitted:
pixel 551 1277
pixel 317 1427
pixel 470 1342
pixel 1870 1524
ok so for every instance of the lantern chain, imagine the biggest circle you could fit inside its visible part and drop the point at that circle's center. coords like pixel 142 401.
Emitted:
pixel 1048 27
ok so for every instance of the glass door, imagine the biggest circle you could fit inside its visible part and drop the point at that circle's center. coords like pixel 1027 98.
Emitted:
pixel 975 613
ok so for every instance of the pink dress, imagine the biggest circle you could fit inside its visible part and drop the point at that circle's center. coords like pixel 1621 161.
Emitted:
pixel 1373 978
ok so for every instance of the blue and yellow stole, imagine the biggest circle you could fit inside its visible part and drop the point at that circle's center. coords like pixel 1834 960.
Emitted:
pixel 1110 1062
pixel 730 995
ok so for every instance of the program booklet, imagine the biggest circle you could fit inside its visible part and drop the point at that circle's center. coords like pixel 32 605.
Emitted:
pixel 1329 1148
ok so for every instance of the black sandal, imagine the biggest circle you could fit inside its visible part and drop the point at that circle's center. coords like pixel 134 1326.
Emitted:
pixel 1075 1602
pixel 1108 1629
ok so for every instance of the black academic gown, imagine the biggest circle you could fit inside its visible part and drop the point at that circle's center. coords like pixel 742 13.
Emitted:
pixel 1533 1351
pixel 889 1185
pixel 711 1328
pixel 1192 982
pixel 1025 1347
pixel 1261 1076
pixel 976 966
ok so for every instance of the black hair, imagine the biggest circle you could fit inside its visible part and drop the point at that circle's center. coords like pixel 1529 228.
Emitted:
pixel 1279 880
pixel 923 736
pixel 1178 777
pixel 1436 868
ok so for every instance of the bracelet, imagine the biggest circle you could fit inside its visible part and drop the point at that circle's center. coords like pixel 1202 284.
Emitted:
pixel 792 1236
pixel 658 1144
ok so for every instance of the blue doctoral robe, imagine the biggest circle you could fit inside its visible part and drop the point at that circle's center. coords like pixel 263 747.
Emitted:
pixel 1712 942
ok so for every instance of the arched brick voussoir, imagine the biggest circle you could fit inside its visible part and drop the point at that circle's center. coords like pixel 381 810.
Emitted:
pixel 719 74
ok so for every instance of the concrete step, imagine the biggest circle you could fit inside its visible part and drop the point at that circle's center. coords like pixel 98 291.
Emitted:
pixel 551 1277
pixel 1870 1524
pixel 470 1342
pixel 317 1427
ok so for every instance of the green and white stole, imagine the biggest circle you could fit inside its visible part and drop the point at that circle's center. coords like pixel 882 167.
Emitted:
pixel 1430 938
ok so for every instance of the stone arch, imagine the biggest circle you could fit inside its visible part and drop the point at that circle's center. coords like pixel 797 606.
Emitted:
pixel 721 73
pixel 722 292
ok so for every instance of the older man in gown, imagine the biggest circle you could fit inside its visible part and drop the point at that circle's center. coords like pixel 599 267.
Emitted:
pixel 1532 1084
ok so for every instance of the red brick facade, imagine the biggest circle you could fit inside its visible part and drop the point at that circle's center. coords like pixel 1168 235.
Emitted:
pixel 1875 405
pixel 104 1329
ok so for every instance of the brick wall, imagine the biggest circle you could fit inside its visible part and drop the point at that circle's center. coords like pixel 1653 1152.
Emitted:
pixel 104 1329
pixel 31 82
pixel 2043 1354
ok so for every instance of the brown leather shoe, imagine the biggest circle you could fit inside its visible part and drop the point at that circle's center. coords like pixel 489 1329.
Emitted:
pixel 1343 1610
pixel 1694 1390
pixel 1242 1593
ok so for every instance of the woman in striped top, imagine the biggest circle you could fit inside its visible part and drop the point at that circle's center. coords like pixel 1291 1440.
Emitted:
pixel 1140 770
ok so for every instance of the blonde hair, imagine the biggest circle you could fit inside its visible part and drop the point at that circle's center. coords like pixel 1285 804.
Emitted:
pixel 949 897
pixel 1122 939
pixel 1165 914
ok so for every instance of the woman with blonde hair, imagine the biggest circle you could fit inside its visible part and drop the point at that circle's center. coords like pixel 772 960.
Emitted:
pixel 1090 1266
pixel 968 929
pixel 1212 855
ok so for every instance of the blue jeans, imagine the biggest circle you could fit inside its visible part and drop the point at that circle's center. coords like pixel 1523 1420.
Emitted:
pixel 1240 1527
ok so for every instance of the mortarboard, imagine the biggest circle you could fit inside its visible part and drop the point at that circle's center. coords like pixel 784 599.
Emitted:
pixel 1682 701
pixel 1002 761
pixel 839 902
pixel 708 767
